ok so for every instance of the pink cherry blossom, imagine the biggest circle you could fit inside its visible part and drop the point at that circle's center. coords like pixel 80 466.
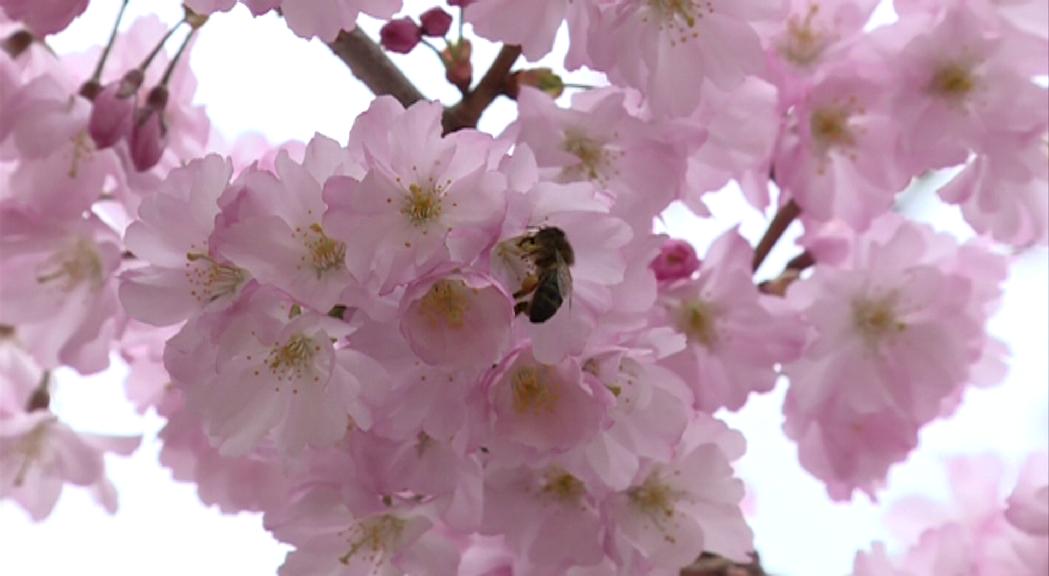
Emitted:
pixel 669 49
pixel 279 372
pixel 530 404
pixel 350 533
pixel 457 319
pixel 840 138
pixel 674 511
pixel 425 198
pixel 1028 505
pixel 19 376
pixel 39 454
pixel 734 338
pixel 44 16
pixel 59 288
pixel 546 515
pixel 274 230
pixel 325 18
pixel 173 236
pixel 900 323
pixel 532 25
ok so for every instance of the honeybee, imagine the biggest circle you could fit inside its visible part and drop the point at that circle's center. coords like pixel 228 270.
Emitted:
pixel 550 280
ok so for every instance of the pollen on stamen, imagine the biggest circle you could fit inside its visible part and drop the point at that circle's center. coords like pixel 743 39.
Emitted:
pixel 373 540
pixel 562 486
pixel 323 253
pixel 77 263
pixel 446 304
pixel 531 392
pixel 656 500
pixel 293 360
pixel 597 163
pixel 209 279
pixel 804 41
pixel 423 204
pixel 952 81
pixel 876 319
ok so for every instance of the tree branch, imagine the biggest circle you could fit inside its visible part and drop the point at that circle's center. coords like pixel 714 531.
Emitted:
pixel 777 227
pixel 371 65
pixel 466 113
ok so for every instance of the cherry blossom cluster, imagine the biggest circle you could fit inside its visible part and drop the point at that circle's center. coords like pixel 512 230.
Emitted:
pixel 343 337
pixel 978 533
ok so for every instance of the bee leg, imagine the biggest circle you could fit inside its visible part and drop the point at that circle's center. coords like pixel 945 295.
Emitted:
pixel 527 287
pixel 520 308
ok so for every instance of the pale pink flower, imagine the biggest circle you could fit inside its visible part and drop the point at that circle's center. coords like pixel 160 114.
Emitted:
pixel 896 328
pixel 44 17
pixel 457 319
pixel 742 126
pixel 279 372
pixel 532 25
pixel 546 515
pixel 39 454
pixel 652 410
pixel 539 409
pixel 1004 190
pixel 142 347
pixel 640 164
pixel 253 482
pixel 837 156
pixel 735 338
pixel 669 49
pixel 424 199
pixel 184 272
pixel 1028 505
pixel 673 511
pixel 325 18
pixel 59 288
pixel 349 533
pixel 959 84
pixel 274 228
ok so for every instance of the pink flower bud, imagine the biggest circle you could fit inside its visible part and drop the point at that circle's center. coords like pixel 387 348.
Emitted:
pixel 436 22
pixel 149 135
pixel 400 35
pixel 677 259
pixel 113 110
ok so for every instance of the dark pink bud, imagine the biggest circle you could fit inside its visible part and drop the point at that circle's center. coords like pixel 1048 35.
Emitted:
pixel 113 110
pixel 436 22
pixel 149 135
pixel 677 259
pixel 400 35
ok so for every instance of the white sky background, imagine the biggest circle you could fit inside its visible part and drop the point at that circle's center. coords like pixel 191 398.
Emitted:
pixel 255 75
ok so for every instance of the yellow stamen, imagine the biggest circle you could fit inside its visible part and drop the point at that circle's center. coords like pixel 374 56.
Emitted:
pixel 531 393
pixel 446 304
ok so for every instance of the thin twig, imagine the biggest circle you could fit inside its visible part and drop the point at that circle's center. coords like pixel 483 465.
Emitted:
pixel 776 228
pixel 372 66
pixel 466 113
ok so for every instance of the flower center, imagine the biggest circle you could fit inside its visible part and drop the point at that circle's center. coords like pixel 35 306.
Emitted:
pixel 830 127
pixel 422 205
pixel 804 42
pixel 596 163
pixel 446 303
pixel 373 539
pixel 563 487
pixel 531 393
pixel 294 359
pixel 952 81
pixel 323 254
pixel 698 320
pixel 677 11
pixel 211 280
pixel 72 266
pixel 876 319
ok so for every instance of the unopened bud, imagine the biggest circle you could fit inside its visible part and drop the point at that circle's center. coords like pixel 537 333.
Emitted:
pixel 17 43
pixel 149 134
pixel 113 111
pixel 435 22
pixel 677 259
pixel 400 35
pixel 458 69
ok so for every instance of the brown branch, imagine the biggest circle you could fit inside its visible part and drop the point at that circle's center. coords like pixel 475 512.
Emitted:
pixel 466 113
pixel 777 227
pixel 371 65
pixel 778 286
pixel 713 565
